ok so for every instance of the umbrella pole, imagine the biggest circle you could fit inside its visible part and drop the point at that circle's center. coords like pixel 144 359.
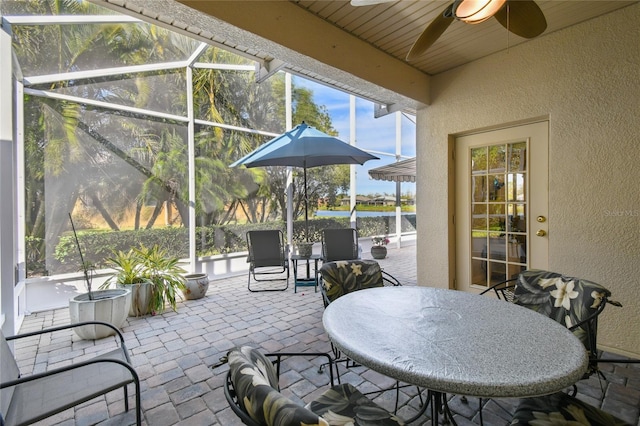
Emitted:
pixel 306 205
pixel 306 215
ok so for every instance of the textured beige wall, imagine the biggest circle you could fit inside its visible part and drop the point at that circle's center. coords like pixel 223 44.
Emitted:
pixel 586 80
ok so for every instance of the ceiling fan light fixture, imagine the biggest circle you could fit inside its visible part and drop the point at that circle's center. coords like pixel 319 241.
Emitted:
pixel 476 11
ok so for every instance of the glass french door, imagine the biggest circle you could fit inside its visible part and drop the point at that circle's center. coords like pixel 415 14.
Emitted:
pixel 498 204
pixel 495 183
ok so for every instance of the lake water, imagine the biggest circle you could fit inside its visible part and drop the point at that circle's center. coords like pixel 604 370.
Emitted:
pixel 343 213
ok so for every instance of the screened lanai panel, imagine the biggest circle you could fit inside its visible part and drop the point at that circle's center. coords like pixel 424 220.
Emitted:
pixel 123 179
pixel 52 7
pixel 55 49
pixel 162 91
pixel 234 98
pixel 226 195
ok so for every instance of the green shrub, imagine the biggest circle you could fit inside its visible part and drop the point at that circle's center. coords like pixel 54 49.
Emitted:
pixel 98 246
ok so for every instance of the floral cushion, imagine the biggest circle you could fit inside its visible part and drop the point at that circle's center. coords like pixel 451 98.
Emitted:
pixel 561 409
pixel 256 384
pixel 565 299
pixel 345 276
pixel 345 405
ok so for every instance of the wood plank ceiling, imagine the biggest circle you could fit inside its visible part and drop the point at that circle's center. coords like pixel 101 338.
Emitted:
pixel 393 27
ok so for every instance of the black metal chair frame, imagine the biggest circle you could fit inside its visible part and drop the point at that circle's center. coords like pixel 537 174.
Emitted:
pixel 388 280
pixel 232 397
pixel 505 290
pixel 117 356
pixel 262 258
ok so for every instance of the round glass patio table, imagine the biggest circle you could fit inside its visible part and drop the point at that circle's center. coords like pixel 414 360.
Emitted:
pixel 455 342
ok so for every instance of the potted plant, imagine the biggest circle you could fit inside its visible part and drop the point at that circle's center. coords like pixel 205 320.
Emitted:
pixel 379 248
pixel 111 306
pixel 165 274
pixel 305 249
pixel 154 277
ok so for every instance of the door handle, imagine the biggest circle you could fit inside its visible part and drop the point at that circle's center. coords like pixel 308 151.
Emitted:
pixel 541 233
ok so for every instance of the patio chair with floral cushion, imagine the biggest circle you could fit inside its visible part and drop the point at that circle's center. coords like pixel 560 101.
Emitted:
pixel 574 302
pixel 253 393
pixel 561 409
pixel 346 276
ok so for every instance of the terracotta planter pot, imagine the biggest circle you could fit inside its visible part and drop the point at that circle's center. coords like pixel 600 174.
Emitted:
pixel 196 286
pixel 110 306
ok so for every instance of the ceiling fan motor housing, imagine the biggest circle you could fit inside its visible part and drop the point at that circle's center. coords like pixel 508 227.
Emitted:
pixel 475 11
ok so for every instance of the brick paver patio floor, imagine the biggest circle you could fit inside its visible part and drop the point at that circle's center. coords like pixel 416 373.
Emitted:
pixel 175 354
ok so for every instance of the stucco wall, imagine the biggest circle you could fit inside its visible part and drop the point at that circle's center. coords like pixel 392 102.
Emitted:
pixel 586 80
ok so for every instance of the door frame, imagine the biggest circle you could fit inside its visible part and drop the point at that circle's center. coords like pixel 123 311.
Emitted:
pixel 452 191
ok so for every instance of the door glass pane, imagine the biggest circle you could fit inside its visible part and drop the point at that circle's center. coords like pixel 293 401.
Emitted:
pixel 479 188
pixel 479 160
pixel 517 218
pixel 517 252
pixel 479 272
pixel 479 217
pixel 516 187
pixel 497 158
pixel 517 156
pixel 498 203
pixel 479 245
pixel 496 187
pixel 497 247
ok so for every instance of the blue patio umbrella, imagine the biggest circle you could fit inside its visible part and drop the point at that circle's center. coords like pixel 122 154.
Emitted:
pixel 304 146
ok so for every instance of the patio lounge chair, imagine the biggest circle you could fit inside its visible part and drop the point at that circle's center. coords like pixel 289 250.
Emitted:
pixel 340 244
pixel 267 257
pixel 253 393
pixel 29 398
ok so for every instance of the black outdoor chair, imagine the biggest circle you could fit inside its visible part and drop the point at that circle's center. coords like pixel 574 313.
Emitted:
pixel 340 244
pixel 346 276
pixel 253 393
pixel 25 399
pixel 267 258
pixel 573 302
pixel 560 408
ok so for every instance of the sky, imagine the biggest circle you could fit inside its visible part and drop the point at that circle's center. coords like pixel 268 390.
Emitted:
pixel 375 134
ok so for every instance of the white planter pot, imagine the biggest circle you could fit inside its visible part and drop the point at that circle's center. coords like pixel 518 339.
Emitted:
pixel 141 295
pixel 196 286
pixel 110 306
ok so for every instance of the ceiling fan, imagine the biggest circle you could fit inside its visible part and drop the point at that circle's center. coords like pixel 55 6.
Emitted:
pixel 521 17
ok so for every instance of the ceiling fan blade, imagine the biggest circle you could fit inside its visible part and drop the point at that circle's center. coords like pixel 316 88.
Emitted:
pixel 431 33
pixel 525 18
pixel 368 2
